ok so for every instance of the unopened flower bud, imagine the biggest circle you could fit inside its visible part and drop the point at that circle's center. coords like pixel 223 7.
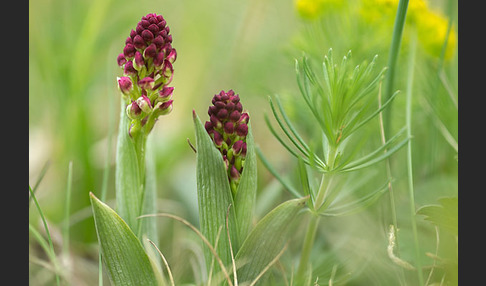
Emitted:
pixel 146 83
pixel 234 174
pixel 138 61
pixel 121 60
pixel 150 51
pixel 165 93
pixel 163 108
pixel 125 85
pixel 172 56
pixel 133 110
pixel 129 70
pixel 129 50
pixel 242 130
pixel 144 103
pixel 218 138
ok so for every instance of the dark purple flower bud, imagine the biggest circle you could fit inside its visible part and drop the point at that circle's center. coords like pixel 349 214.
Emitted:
pixel 208 126
pixel 129 50
pixel 139 28
pixel 153 28
pixel 129 41
pixel 212 110
pixel 150 51
pixel 144 103
pixel 147 36
pixel 169 38
pixel 235 116
pixel 237 146
pixel 244 118
pixel 222 114
pixel 234 174
pixel 121 60
pixel 133 33
pixel 138 42
pixel 168 71
pixel 129 69
pixel 166 92
pixel 125 84
pixel 144 23
pixel 242 130
pixel 138 61
pixel 146 83
pixel 239 107
pixel 164 107
pixel 229 127
pixel 215 121
pixel 172 56
pixel 158 41
pixel 133 110
pixel 217 138
pixel 159 60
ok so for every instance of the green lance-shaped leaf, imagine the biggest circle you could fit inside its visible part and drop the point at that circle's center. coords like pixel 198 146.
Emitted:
pixel 214 196
pixel 266 240
pixel 123 254
pixel 246 192
pixel 128 180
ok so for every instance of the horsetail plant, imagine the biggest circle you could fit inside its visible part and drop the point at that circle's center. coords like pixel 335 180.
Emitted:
pixel 341 100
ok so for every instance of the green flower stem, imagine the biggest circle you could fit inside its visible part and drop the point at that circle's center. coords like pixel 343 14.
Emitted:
pixel 307 246
pixel 315 218
pixel 393 56
pixel 413 45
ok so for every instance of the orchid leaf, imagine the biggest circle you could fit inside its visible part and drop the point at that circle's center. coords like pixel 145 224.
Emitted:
pixel 214 196
pixel 266 240
pixel 123 254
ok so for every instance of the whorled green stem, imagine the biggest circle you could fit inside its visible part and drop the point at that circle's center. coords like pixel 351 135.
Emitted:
pixel 315 218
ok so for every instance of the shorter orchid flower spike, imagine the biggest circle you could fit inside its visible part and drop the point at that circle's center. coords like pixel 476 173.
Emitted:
pixel 228 128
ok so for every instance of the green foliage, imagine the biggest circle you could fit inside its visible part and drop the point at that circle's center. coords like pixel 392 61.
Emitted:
pixel 214 197
pixel 123 255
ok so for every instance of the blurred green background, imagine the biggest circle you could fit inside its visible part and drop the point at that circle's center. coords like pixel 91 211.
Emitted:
pixel 248 46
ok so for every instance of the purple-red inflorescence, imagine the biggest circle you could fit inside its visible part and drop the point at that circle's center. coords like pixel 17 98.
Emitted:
pixel 228 127
pixel 146 61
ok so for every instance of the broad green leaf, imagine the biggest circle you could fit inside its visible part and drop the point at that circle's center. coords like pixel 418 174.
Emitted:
pixel 266 240
pixel 247 188
pixel 123 254
pixel 128 182
pixel 444 215
pixel 214 196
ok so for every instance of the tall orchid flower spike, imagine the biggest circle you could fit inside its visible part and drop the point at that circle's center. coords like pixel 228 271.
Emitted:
pixel 146 61
pixel 228 127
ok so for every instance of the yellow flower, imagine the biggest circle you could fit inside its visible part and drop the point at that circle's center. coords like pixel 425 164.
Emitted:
pixel 432 32
pixel 311 9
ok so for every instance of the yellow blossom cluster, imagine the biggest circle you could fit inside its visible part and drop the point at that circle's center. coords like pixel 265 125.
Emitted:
pixel 431 25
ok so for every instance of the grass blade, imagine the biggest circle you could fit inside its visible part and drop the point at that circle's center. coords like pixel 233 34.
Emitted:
pixel 49 239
